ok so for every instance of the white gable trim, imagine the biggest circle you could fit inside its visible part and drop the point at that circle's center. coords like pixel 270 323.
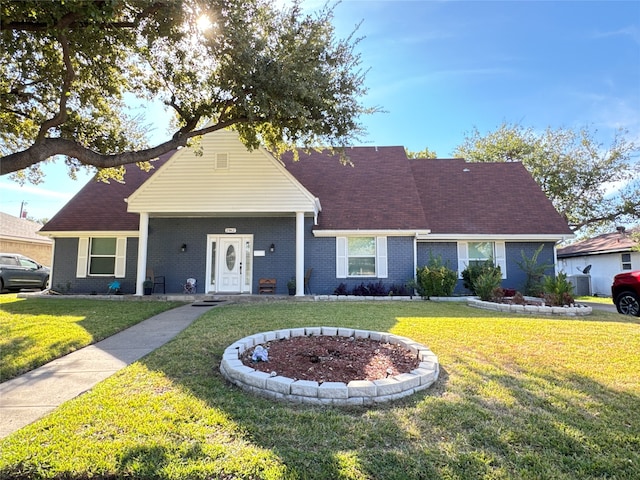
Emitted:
pixel 253 182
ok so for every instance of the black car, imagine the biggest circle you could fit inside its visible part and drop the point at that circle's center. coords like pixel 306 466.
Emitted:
pixel 625 293
pixel 18 272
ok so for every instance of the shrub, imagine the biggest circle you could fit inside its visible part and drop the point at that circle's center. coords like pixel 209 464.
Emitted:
pixel 472 272
pixel 435 279
pixel 487 283
pixel 341 289
pixel 401 290
pixel 534 272
pixel 558 291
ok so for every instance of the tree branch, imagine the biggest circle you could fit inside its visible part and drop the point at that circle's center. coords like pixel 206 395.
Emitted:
pixel 74 20
pixel 69 75
pixel 49 147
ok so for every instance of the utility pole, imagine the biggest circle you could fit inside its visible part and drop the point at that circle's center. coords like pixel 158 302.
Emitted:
pixel 23 212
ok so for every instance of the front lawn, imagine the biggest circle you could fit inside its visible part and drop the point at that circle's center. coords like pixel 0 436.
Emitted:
pixel 518 398
pixel 35 331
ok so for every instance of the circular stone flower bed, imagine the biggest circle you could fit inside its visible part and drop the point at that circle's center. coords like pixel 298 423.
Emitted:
pixel 330 366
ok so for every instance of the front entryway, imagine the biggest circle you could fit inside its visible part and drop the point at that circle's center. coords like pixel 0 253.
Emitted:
pixel 229 263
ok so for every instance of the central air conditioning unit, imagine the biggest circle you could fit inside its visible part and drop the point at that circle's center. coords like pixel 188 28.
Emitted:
pixel 581 285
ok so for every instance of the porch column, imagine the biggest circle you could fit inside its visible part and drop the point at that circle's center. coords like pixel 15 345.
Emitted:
pixel 299 254
pixel 143 239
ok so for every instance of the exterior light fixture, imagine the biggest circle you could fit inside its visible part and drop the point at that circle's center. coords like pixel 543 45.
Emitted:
pixel 183 248
pixel 272 248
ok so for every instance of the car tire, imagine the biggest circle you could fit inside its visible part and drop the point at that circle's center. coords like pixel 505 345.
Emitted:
pixel 628 303
pixel 44 284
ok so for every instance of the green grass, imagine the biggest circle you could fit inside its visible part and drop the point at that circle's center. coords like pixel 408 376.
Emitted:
pixel 35 331
pixel 602 300
pixel 518 398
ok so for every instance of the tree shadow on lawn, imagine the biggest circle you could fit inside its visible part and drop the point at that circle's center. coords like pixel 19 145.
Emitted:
pixel 537 425
pixel 482 418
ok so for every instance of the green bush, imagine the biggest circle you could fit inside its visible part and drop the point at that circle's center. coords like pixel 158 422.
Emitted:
pixel 487 283
pixel 472 272
pixel 558 291
pixel 435 279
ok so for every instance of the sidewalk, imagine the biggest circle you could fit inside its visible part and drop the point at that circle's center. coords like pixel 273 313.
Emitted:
pixel 29 397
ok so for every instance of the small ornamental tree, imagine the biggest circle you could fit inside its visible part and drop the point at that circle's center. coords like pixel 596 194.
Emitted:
pixel 534 271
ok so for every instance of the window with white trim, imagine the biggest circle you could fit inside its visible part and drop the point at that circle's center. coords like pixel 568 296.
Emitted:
pixel 474 253
pixel 101 256
pixel 361 257
pixel 626 261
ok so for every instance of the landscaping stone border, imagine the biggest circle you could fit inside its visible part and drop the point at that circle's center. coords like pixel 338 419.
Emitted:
pixel 573 311
pixel 356 392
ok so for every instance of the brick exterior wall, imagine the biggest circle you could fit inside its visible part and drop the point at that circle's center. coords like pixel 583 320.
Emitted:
pixel 167 235
pixel 516 278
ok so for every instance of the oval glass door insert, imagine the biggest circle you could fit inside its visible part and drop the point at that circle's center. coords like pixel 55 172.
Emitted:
pixel 231 258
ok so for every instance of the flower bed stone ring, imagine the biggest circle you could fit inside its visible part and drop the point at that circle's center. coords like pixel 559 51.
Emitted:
pixel 355 392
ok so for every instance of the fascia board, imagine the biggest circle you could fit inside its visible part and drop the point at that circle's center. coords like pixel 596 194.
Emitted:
pixel 496 237
pixel 94 234
pixel 369 233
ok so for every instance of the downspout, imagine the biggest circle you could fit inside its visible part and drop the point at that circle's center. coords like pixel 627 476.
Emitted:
pixel 143 240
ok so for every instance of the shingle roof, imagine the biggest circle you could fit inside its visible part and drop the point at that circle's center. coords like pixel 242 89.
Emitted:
pixel 381 190
pixel 376 192
pixel 100 206
pixel 606 243
pixel 483 198
pixel 20 229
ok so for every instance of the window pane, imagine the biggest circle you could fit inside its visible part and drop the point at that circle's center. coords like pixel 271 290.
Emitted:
pixel 102 266
pixel 362 266
pixel 103 246
pixel 362 246
pixel 480 250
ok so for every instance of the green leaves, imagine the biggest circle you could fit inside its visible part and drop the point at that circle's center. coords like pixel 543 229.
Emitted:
pixel 280 76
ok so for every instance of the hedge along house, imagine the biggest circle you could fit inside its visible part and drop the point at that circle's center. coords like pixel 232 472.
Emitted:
pixel 231 217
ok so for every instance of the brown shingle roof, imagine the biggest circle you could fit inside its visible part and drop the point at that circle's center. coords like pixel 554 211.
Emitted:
pixel 483 198
pixel 381 190
pixel 100 206
pixel 606 243
pixel 376 192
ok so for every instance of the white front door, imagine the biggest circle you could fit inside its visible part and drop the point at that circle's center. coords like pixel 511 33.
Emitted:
pixel 230 262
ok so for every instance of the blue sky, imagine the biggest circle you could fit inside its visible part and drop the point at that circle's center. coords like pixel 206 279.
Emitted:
pixel 439 69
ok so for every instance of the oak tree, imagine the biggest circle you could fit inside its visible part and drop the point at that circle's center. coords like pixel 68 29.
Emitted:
pixel 69 69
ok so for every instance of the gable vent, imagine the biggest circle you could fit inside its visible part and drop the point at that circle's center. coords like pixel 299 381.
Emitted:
pixel 222 161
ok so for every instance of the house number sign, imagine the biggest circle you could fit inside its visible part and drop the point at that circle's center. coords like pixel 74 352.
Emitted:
pixel 229 230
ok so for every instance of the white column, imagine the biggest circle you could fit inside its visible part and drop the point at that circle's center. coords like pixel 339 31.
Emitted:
pixel 143 238
pixel 299 254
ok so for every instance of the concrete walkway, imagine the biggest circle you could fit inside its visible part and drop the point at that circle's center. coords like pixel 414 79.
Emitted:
pixel 29 397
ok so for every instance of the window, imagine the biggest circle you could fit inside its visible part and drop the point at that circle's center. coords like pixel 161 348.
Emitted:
pixel 101 256
pixel 361 257
pixel 473 253
pixel 626 261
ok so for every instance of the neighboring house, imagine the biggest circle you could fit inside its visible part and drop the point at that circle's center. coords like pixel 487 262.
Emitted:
pixel 19 235
pixel 605 256
pixel 231 217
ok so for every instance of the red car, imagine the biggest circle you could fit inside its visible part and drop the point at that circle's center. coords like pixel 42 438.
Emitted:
pixel 625 293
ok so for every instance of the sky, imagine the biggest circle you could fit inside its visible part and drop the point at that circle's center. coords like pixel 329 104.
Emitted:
pixel 440 69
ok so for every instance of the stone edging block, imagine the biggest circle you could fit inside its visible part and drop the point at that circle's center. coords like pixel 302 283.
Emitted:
pixel 357 392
